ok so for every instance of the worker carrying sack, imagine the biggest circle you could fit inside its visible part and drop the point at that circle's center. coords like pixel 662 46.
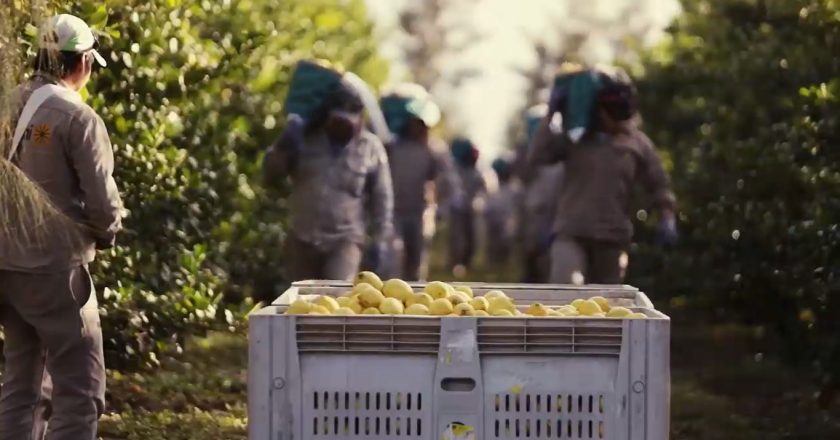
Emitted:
pixel 315 81
pixel 409 101
pixel 578 92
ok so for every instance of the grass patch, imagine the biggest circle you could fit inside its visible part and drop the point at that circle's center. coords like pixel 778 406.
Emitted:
pixel 191 424
pixel 198 395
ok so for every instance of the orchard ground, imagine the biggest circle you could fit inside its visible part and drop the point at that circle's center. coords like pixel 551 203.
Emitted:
pixel 726 384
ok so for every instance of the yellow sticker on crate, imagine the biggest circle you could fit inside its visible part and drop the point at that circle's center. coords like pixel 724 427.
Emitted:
pixel 459 431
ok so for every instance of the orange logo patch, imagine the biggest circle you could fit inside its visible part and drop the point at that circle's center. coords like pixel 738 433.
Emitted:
pixel 41 134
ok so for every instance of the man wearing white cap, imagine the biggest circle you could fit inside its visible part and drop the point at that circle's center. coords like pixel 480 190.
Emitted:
pixel 417 160
pixel 48 306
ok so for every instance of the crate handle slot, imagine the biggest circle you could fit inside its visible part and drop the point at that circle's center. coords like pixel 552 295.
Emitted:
pixel 457 384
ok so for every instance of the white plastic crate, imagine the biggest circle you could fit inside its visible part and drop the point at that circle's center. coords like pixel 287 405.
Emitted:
pixel 394 377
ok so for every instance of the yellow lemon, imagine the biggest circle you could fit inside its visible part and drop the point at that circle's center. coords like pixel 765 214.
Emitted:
pixel 459 298
pixel 299 307
pixel 318 310
pixel 619 312
pixel 329 302
pixel 441 306
pixel 567 309
pixel 438 289
pixel 465 289
pixel 500 303
pixel 368 278
pixel 371 311
pixel 399 289
pixel 464 309
pixel 480 303
pixel 480 313
pixel 537 310
pixel 636 315
pixel 344 311
pixel 391 306
pixel 588 307
pixel 420 298
pixel 570 312
pixel 495 294
pixel 602 302
pixel 350 302
pixel 417 309
pixel 370 297
pixel 501 312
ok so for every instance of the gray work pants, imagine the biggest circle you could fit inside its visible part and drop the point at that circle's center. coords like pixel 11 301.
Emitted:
pixel 537 266
pixel 305 261
pixel 409 229
pixel 55 367
pixel 498 244
pixel 462 233
pixel 581 260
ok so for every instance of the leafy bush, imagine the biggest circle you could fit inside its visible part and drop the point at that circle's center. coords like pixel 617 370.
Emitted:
pixel 192 96
pixel 744 98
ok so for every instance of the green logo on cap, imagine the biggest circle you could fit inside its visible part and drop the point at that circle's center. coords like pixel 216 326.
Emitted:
pixel 71 43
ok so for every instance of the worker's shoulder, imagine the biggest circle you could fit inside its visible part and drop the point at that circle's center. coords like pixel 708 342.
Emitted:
pixel 635 140
pixel 642 138
pixel 438 147
pixel 74 111
pixel 370 140
pixel 371 145
pixel 638 137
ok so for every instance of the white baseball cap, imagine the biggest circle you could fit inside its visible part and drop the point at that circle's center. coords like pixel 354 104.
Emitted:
pixel 68 33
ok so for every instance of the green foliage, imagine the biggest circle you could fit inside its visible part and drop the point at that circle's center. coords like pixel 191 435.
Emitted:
pixel 744 98
pixel 192 96
pixel 139 323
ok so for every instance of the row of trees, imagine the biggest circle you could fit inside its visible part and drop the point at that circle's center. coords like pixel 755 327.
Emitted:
pixel 743 99
pixel 192 96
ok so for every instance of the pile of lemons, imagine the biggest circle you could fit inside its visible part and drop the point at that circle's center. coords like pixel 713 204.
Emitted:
pixel 371 296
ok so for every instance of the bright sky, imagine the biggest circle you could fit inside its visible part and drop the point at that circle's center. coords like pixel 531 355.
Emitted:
pixel 482 108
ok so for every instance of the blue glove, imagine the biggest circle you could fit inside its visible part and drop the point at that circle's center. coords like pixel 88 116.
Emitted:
pixel 666 232
pixel 292 137
pixel 285 151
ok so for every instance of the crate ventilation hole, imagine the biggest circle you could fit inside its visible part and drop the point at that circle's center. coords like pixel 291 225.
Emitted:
pixel 548 416
pixel 389 424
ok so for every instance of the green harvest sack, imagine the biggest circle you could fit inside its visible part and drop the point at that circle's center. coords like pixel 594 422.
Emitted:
pixel 311 83
pixel 395 109
pixel 581 91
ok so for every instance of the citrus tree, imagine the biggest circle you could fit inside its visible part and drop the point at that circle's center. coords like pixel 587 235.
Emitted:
pixel 744 98
pixel 192 96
